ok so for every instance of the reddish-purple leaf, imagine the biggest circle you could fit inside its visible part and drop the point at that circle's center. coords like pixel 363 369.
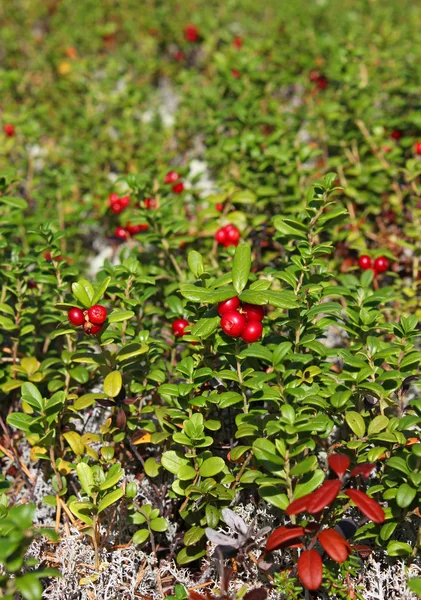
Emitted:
pixel 282 535
pixel 324 496
pixel 369 507
pixel 256 594
pixel 339 463
pixel 363 550
pixel 298 506
pixel 334 544
pixel 363 470
pixel 310 569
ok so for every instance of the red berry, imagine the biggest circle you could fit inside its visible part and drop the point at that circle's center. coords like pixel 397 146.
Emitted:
pixel 135 229
pixel 76 316
pixel 117 207
pixel 97 314
pixel 219 207
pixel 150 203
pixel 179 56
pixel 32 285
pixel 221 236
pixel 418 147
pixel 381 264
pixel 253 312
pixel 252 331
pixel 48 256
pixel 235 73
pixel 112 198
pixel 237 42
pixel 365 262
pixel 171 177
pixel 396 134
pixel 9 129
pixel 232 235
pixel 178 188
pixel 386 149
pixel 178 326
pixel 120 233
pixel 233 323
pixel 322 82
pixel 124 201
pixel 191 33
pixel 91 329
pixel 314 76
pixel 228 305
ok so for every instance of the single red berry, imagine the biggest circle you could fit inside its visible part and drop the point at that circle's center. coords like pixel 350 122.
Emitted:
pixel 252 332
pixel 253 312
pixel 233 323
pixel 150 203
pixel 396 134
pixel 9 129
pixel 91 329
pixel 314 76
pixel 124 201
pixel 191 33
pixel 322 82
pixel 48 256
pixel 97 314
pixel 386 149
pixel 219 207
pixel 237 42
pixel 178 188
pixel 381 264
pixel 235 73
pixel 178 326
pixel 171 177
pixel 32 285
pixel 228 305
pixel 221 236
pixel 117 207
pixel 112 198
pixel 76 316
pixel 365 262
pixel 179 56
pixel 418 148
pixel 135 229
pixel 120 233
pixel 232 235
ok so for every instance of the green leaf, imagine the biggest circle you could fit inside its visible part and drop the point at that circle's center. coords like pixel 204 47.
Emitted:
pixel 241 267
pixel 86 477
pixel 190 554
pixel 243 197
pixel 87 400
pixel 159 524
pixel 205 327
pixel 113 384
pixel 290 227
pixel 140 536
pixel 83 292
pixel 377 424
pixel 131 350
pixel 415 585
pixel 405 495
pixel 113 477
pixel 14 202
pixel 20 421
pixel 195 261
pixel 172 461
pixel 120 315
pixel 83 511
pixel 212 466
pixel 110 499
pixel 151 467
pixel 28 585
pixel 395 548
pixel 100 290
pixel 212 515
pixel 355 423
pixel 31 395
pixel 193 535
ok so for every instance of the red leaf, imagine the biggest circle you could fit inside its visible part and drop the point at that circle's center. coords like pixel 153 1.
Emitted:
pixel 310 570
pixel 363 550
pixel 339 463
pixel 335 545
pixel 299 505
pixel 282 535
pixel 324 496
pixel 369 507
pixel 364 470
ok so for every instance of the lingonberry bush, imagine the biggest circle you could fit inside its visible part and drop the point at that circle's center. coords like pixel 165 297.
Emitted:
pixel 209 246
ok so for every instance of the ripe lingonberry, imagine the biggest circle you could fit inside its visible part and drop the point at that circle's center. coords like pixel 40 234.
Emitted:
pixel 178 188
pixel 91 329
pixel 135 229
pixel 381 264
pixel 150 203
pixel 97 314
pixel 120 233
pixel 228 305
pixel 191 33
pixel 386 149
pixel 235 73
pixel 237 42
pixel 418 148
pixel 9 129
pixel 178 326
pixel 219 207
pixel 322 82
pixel 253 312
pixel 179 56
pixel 232 236
pixel 221 236
pixel 112 198
pixel 396 134
pixel 117 207
pixel 124 201
pixel 252 331
pixel 233 323
pixel 76 316
pixel 171 177
pixel 364 262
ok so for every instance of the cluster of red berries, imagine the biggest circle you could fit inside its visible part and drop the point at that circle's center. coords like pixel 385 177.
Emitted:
pixel 228 235
pixel 173 178
pixel 178 326
pixel 91 319
pixel 9 129
pixel 117 204
pixel 379 265
pixel 241 319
